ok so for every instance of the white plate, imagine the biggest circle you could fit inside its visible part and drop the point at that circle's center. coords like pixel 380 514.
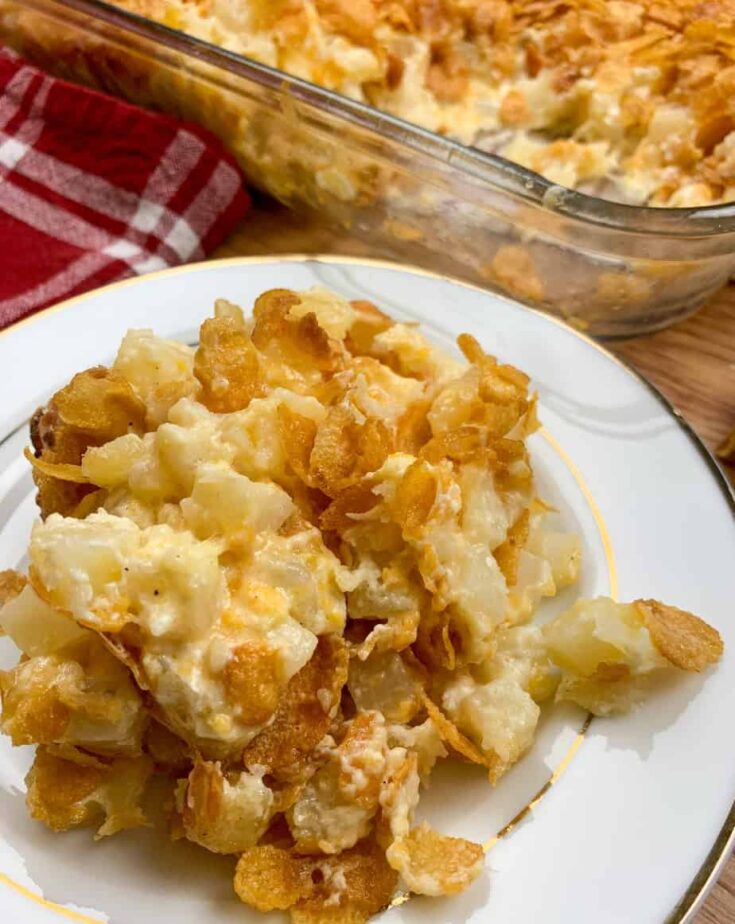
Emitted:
pixel 639 815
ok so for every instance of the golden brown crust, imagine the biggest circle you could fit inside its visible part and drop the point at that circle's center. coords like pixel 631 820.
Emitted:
pixel 11 584
pixel 251 681
pixel 270 878
pixel 30 716
pixel 685 640
pixel 414 498
pixel 57 791
pixel 302 342
pixel 101 403
pixel 64 793
pixel 297 435
pixel 62 471
pixel 369 323
pixel 301 719
pixel 94 408
pixel 412 428
pixel 227 366
pixel 204 796
pixel 434 864
pixel 333 462
pixel 462 444
pixel 345 889
pixel 369 885
pixel 452 736
pixel 345 451
pixel 352 753
pixel 355 499
pixel 508 553
pixel 434 647
pixel 448 76
pixel 652 58
pixel 354 18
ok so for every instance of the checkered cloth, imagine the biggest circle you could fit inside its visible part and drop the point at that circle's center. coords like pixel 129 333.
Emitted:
pixel 93 190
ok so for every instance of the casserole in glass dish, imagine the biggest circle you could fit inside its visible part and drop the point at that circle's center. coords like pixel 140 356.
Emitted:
pixel 611 269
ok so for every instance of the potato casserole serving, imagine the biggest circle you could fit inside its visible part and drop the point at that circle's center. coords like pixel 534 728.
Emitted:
pixel 289 570
pixel 631 101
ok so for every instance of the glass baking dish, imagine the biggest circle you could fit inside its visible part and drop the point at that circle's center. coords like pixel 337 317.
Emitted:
pixel 610 269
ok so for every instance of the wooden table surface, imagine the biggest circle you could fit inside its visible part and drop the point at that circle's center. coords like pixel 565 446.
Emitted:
pixel 692 363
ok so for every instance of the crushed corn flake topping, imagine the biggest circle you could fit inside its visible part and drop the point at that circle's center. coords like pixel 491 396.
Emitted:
pixel 292 569
pixel 629 99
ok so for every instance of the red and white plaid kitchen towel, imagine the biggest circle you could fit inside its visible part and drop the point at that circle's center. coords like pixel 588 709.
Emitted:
pixel 93 190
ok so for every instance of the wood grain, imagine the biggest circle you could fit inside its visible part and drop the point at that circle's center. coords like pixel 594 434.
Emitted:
pixel 692 363
pixel 720 906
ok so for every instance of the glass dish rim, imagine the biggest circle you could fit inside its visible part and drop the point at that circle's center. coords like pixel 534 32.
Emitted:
pixel 497 172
